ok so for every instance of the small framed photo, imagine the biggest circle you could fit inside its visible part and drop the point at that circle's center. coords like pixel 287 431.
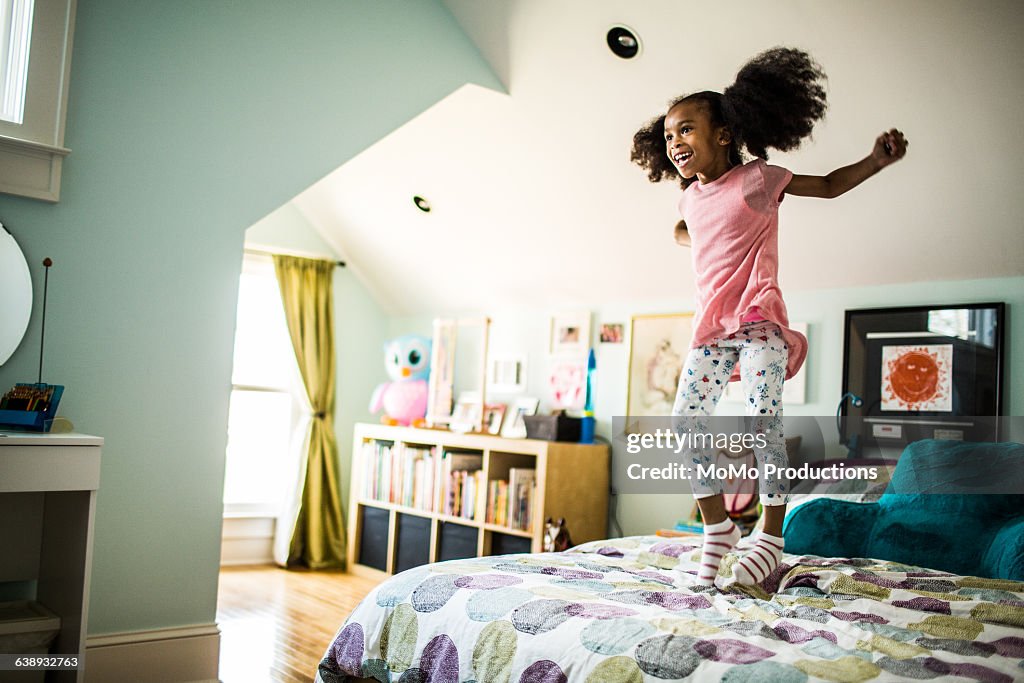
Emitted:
pixel 514 426
pixel 493 414
pixel 506 374
pixel 570 332
pixel 612 333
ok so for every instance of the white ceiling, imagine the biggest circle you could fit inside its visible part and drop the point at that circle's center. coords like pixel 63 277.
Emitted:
pixel 535 202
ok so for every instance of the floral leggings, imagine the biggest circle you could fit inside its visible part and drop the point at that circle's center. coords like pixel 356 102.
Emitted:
pixel 763 354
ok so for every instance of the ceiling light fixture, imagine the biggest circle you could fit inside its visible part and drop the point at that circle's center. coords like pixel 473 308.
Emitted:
pixel 421 204
pixel 623 42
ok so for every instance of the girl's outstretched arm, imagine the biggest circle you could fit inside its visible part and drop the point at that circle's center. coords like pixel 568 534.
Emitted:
pixel 682 235
pixel 889 148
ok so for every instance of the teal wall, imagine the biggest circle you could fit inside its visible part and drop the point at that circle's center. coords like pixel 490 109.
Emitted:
pixel 189 121
pixel 286 229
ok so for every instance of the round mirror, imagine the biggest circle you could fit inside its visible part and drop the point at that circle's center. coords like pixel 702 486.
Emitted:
pixel 15 295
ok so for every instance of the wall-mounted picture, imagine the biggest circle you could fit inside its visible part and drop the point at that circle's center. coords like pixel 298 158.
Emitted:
pixel 612 333
pixel 567 383
pixel 794 390
pixel 658 345
pixel 917 377
pixel 932 371
pixel 570 333
pixel 506 374
pixel 514 426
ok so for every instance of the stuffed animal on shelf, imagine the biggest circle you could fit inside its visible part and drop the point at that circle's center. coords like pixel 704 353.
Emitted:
pixel 556 536
pixel 404 398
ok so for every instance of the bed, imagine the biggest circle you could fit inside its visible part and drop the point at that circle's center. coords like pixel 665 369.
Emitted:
pixel 625 610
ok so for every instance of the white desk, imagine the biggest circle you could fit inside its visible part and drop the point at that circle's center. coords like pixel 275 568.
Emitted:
pixel 48 485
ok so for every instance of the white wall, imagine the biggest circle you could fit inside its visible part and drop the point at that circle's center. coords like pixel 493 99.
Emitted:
pixel 526 331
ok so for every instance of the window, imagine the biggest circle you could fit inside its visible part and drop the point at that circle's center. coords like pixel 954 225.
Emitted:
pixel 35 65
pixel 263 413
pixel 15 38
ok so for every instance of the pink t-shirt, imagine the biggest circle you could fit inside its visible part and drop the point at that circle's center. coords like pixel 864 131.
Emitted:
pixel 733 224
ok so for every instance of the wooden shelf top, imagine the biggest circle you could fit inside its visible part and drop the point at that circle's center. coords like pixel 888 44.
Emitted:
pixel 443 437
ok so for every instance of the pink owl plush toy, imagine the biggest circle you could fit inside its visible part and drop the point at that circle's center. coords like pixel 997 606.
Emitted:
pixel 404 398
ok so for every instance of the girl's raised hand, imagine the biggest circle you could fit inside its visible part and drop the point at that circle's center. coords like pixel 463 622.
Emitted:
pixel 889 148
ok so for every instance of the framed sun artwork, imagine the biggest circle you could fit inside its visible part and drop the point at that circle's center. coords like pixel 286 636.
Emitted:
pixel 923 372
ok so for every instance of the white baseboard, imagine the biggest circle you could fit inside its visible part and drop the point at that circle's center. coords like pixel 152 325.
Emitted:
pixel 189 654
pixel 247 540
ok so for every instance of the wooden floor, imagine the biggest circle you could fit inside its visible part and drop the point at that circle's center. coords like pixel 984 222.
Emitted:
pixel 276 624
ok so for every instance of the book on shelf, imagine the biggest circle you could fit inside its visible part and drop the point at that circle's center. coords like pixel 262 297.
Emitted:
pixel 400 473
pixel 461 474
pixel 510 502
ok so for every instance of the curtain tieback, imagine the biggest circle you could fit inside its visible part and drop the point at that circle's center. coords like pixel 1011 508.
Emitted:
pixel 320 415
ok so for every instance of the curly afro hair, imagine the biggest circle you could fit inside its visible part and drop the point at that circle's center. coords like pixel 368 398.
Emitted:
pixel 777 98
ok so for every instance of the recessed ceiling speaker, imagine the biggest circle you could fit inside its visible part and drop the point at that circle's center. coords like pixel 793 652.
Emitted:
pixel 421 204
pixel 623 42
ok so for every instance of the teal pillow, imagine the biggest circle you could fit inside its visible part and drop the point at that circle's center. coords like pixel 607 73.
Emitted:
pixel 829 527
pixel 1005 557
pixel 927 518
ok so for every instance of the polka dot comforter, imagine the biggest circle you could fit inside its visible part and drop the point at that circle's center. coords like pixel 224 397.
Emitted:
pixel 627 610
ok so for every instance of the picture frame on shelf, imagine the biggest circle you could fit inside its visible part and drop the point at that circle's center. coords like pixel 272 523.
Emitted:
pixel 658 344
pixel 442 372
pixel 451 372
pixel 569 333
pixel 514 426
pixel 467 416
pixel 494 413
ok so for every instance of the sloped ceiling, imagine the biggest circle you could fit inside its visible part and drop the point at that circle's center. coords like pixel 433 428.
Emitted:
pixel 535 202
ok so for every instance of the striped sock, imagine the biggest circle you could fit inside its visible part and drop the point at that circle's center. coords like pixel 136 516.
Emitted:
pixel 719 539
pixel 755 566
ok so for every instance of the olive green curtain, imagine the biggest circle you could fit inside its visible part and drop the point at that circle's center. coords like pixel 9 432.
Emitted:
pixel 318 540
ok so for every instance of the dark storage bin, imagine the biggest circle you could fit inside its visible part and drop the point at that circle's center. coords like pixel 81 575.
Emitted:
pixel 506 544
pixel 553 427
pixel 413 542
pixel 373 542
pixel 457 542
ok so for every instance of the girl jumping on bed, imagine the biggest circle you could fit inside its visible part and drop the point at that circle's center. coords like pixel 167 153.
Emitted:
pixel 729 211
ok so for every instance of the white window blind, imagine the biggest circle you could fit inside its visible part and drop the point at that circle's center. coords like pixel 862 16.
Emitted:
pixel 15 41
